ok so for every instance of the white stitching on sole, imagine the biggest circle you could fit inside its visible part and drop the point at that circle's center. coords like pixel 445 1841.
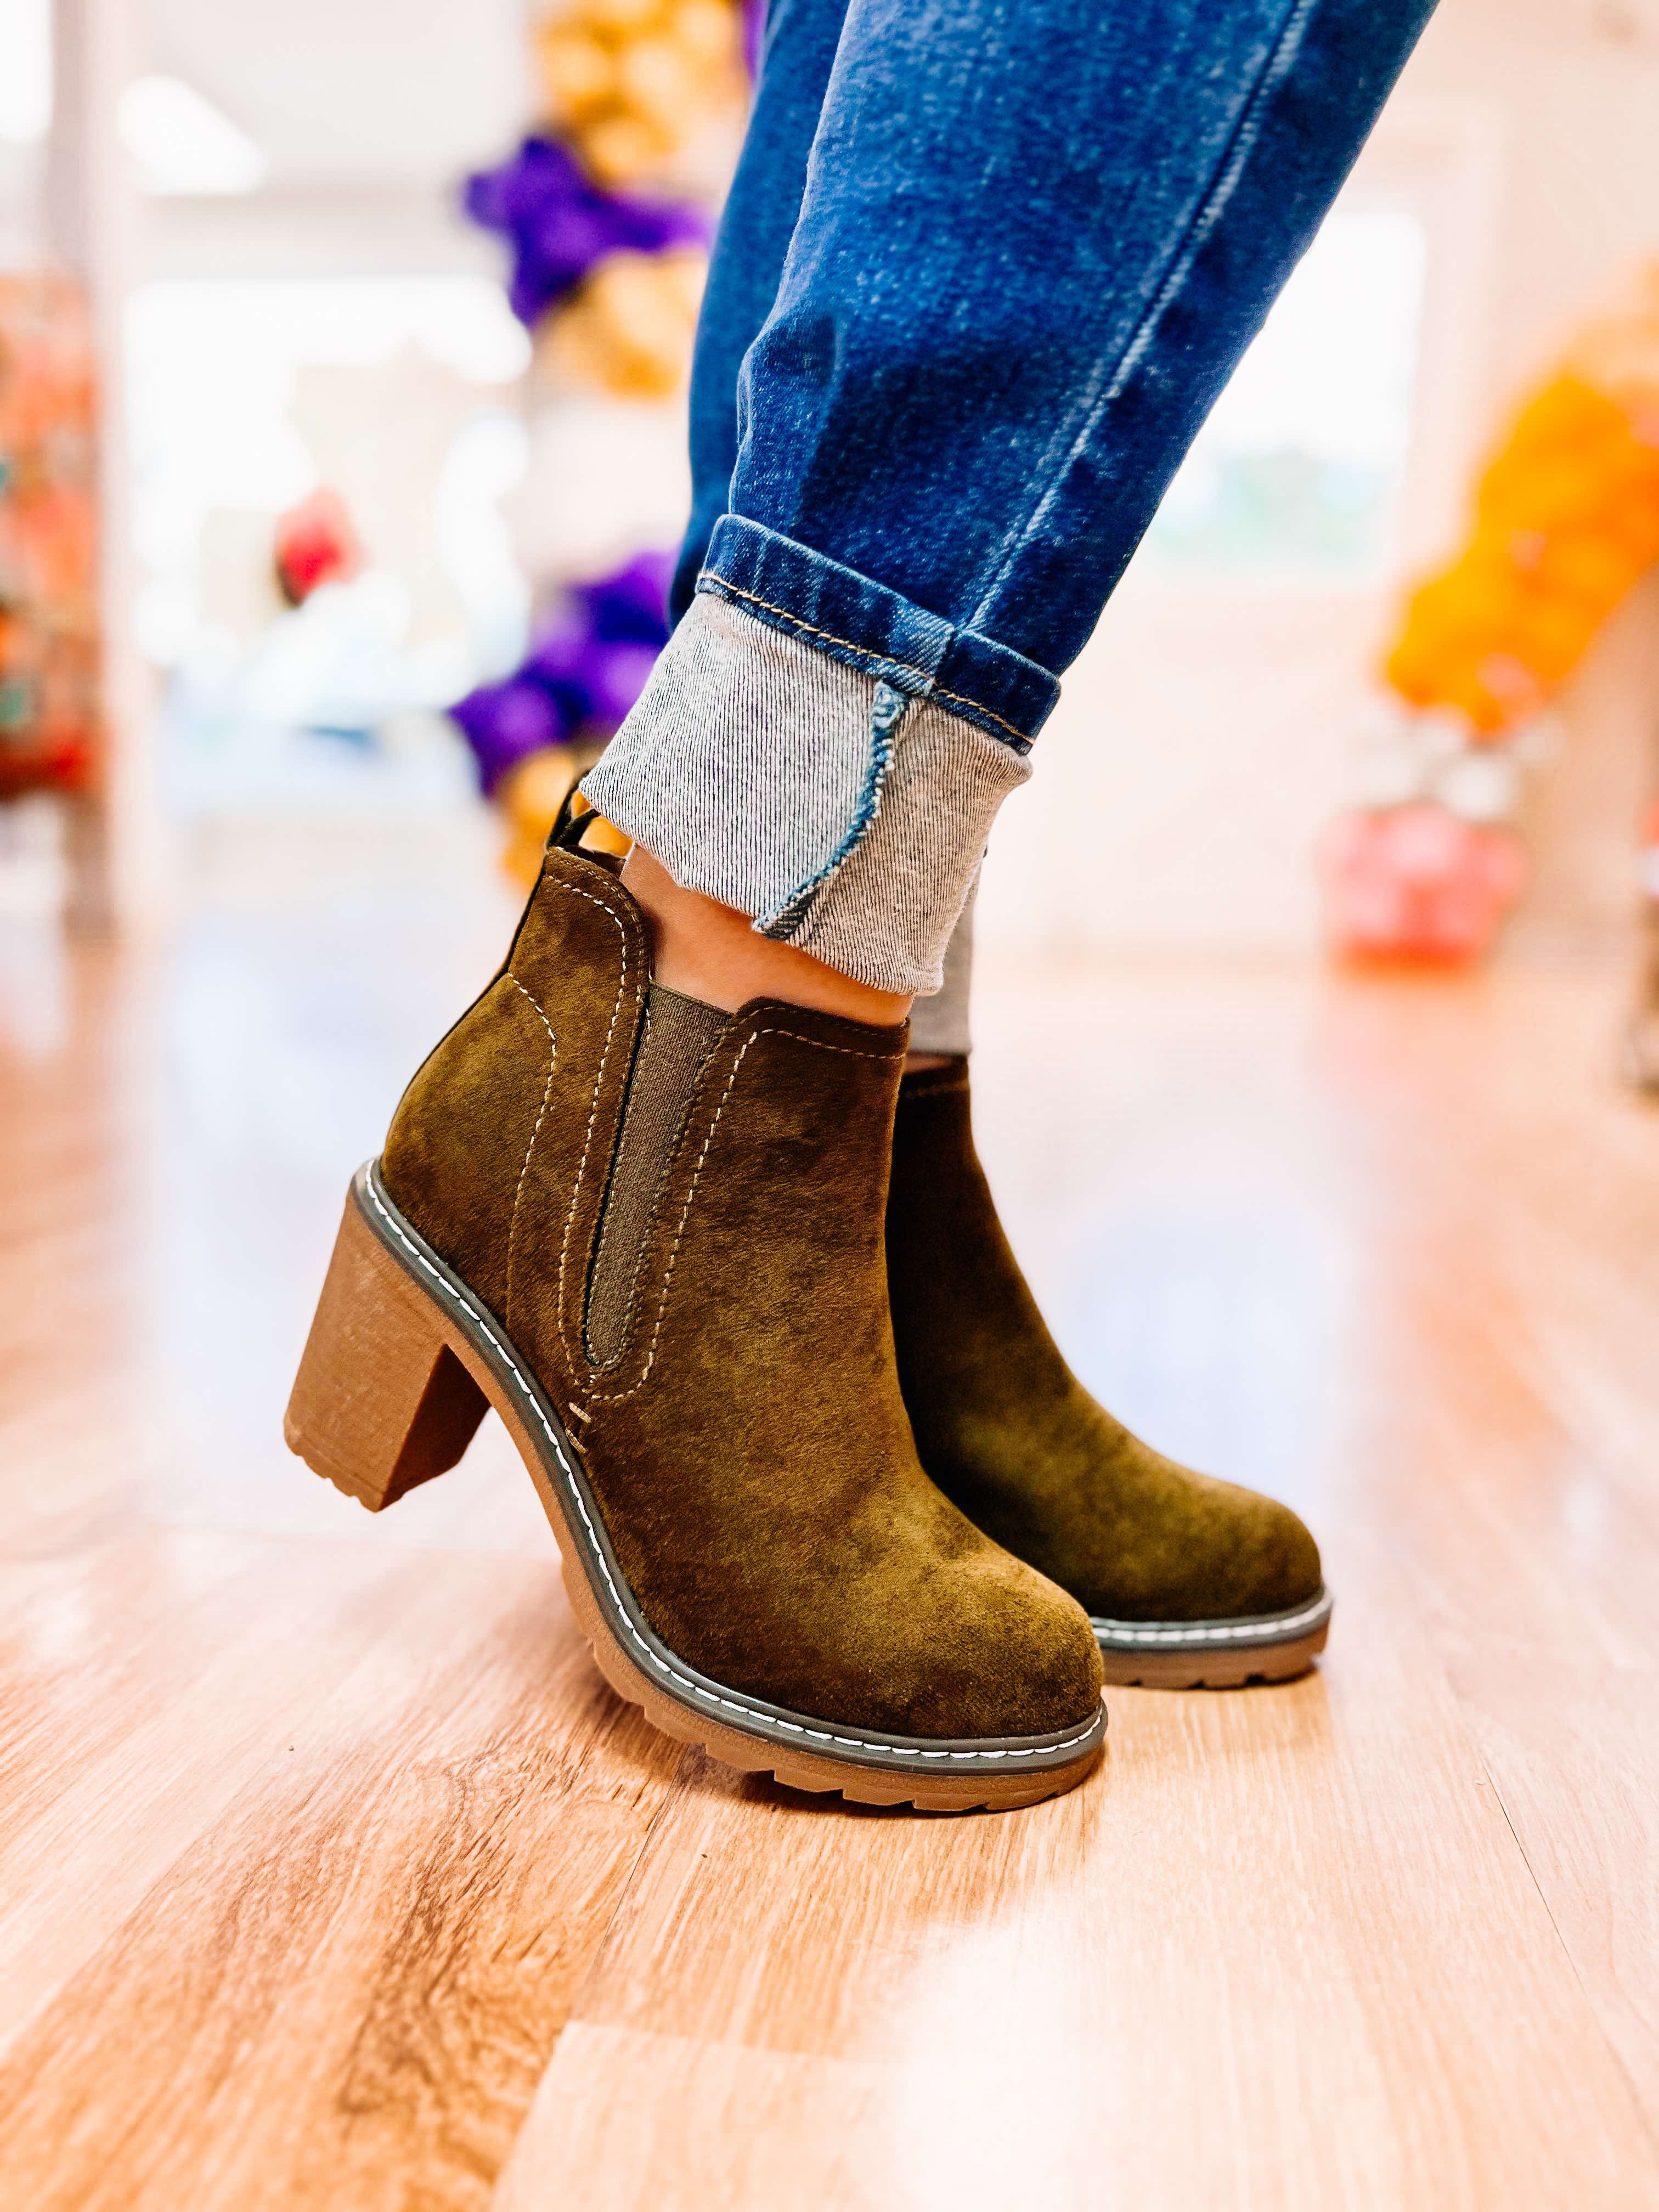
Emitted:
pixel 682 1681
pixel 1274 1629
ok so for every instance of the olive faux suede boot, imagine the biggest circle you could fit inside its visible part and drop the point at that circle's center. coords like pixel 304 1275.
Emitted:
pixel 650 1234
pixel 1187 1581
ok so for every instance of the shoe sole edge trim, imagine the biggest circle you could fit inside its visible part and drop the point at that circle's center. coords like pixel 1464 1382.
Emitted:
pixel 1247 1631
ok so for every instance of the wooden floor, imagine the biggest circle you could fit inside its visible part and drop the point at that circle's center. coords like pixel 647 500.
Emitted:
pixel 332 1876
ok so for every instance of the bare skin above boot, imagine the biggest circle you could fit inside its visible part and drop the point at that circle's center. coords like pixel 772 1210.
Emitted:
pixel 650 1235
pixel 1187 1581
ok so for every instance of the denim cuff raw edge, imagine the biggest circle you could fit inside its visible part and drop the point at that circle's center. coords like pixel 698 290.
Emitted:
pixel 856 620
pixel 842 816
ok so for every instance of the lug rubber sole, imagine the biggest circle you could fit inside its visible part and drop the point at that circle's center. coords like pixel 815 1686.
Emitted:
pixel 399 1369
pixel 1215 1654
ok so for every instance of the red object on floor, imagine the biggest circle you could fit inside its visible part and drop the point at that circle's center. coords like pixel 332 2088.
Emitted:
pixel 316 545
pixel 1417 883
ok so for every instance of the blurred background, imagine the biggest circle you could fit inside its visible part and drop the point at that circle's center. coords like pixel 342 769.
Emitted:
pixel 338 348
pixel 343 355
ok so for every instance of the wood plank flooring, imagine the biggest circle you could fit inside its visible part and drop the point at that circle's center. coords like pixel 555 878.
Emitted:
pixel 332 1876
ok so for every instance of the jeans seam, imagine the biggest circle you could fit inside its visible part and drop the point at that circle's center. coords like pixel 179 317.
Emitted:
pixel 886 714
pixel 935 690
pixel 1283 51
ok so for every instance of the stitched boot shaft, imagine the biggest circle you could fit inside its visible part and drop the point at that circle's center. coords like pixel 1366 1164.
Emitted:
pixel 1007 1432
pixel 745 1436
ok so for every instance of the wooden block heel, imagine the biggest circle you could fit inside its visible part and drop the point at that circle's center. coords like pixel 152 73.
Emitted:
pixel 381 1403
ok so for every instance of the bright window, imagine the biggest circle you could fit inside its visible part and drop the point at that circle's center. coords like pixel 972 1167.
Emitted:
pixel 25 70
pixel 1298 471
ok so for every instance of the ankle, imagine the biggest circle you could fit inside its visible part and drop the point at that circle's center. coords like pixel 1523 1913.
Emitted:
pixel 709 951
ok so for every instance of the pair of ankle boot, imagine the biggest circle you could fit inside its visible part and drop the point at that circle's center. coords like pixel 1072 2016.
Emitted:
pixel 828 1501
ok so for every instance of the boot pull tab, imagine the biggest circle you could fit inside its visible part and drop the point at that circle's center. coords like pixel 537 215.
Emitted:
pixel 575 819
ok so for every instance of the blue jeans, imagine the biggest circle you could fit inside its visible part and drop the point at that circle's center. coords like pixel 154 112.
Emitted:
pixel 985 267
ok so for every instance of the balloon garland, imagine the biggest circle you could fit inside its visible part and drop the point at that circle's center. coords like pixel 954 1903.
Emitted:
pixel 630 83
pixel 559 226
pixel 1565 521
pixel 607 260
pixel 1418 882
pixel 536 732
pixel 49 670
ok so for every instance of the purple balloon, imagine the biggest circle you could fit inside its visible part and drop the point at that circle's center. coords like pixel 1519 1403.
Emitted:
pixel 504 722
pixel 754 35
pixel 618 675
pixel 633 602
pixel 558 223
pixel 586 666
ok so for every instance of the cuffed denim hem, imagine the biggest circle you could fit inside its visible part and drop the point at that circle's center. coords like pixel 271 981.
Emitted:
pixel 855 620
pixel 845 816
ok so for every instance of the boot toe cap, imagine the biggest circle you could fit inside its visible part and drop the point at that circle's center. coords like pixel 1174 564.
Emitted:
pixel 1286 1569
pixel 1024 1663
pixel 1206 1551
pixel 1259 1559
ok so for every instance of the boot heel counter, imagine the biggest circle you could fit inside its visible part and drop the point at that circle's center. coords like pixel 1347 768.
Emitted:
pixel 463 1130
pixel 500 1143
